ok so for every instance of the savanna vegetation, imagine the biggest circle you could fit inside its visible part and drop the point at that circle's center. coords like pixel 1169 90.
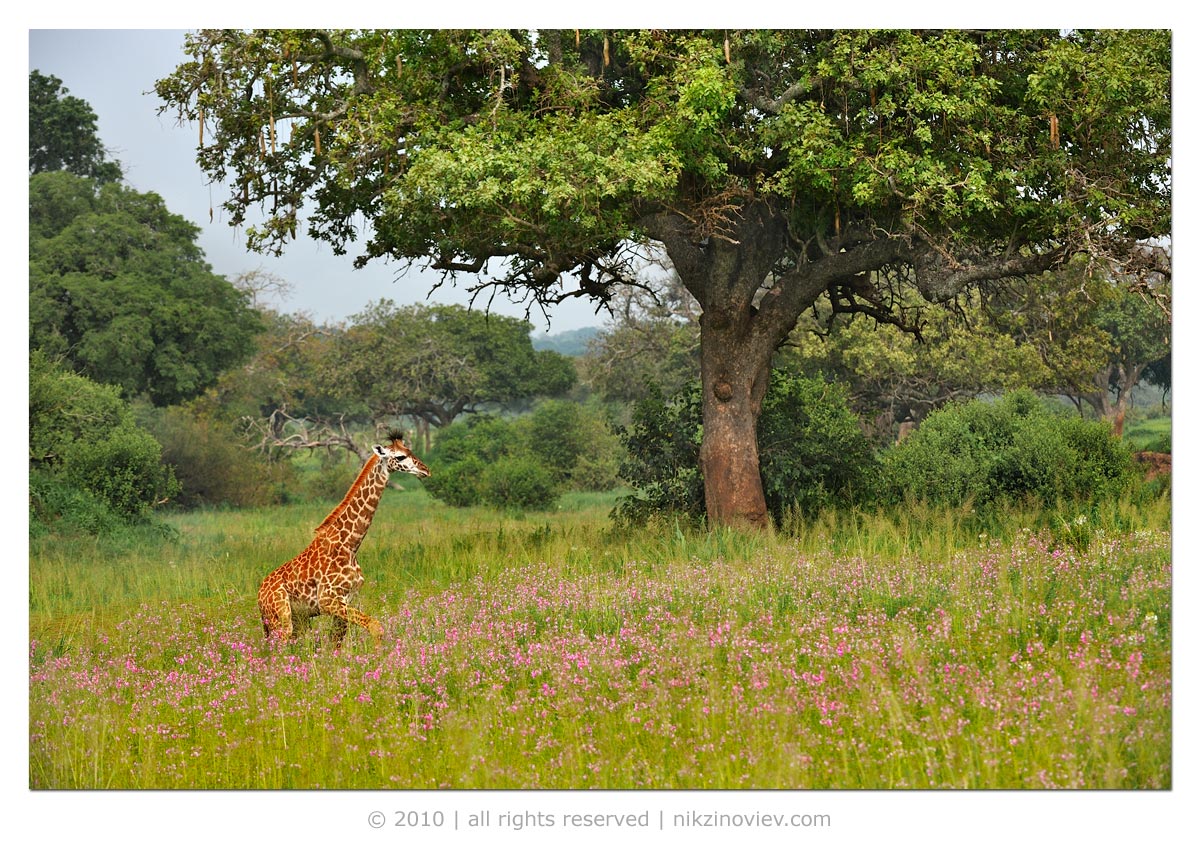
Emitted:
pixel 907 543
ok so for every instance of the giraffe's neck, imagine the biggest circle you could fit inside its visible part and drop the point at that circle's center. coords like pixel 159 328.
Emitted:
pixel 349 522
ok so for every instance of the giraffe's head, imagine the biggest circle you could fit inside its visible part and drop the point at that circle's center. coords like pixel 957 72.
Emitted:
pixel 399 458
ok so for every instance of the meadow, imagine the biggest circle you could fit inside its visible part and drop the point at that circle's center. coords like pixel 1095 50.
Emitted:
pixel 916 648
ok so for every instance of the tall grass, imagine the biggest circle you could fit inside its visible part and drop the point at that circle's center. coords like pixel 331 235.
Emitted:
pixel 915 647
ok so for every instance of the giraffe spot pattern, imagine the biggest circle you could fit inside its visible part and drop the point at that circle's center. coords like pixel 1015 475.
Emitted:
pixel 325 576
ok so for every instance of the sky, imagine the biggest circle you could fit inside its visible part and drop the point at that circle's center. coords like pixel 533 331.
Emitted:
pixel 115 70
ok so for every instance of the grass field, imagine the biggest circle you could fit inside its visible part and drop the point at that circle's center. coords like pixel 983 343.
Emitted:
pixel 921 648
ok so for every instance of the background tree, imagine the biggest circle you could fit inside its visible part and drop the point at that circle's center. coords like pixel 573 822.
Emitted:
pixel 120 291
pixel 895 374
pixel 315 386
pixel 1097 336
pixel 434 363
pixel 62 133
pixel 773 167
pixel 652 343
pixel 1141 335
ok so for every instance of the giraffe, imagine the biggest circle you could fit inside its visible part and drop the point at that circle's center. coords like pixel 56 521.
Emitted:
pixel 323 579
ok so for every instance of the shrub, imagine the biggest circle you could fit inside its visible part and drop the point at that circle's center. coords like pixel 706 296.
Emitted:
pixel 125 470
pixel 812 452
pixel 484 437
pixel 811 449
pixel 575 443
pixel 524 464
pixel 519 482
pixel 84 435
pixel 662 444
pixel 56 503
pixel 212 466
pixel 459 483
pixel 1015 448
pixel 556 437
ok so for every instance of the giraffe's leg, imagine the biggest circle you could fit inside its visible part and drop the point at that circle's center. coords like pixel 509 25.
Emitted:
pixel 344 614
pixel 276 615
pixel 339 631
pixel 300 624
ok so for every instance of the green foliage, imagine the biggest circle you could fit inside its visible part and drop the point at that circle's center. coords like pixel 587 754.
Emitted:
pixel 59 505
pixel 575 443
pixel 63 134
pixel 459 483
pixel 119 290
pixel 811 448
pixel 985 452
pixel 283 373
pixel 519 482
pixel 212 465
pixel 806 162
pixel 487 459
pixel 892 374
pixel 556 436
pixel 441 361
pixel 630 359
pixel 83 436
pixel 812 451
pixel 662 443
pixel 548 147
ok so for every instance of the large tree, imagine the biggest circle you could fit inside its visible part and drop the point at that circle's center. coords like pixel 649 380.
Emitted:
pixel 120 292
pixel 773 167
pixel 434 363
pixel 62 133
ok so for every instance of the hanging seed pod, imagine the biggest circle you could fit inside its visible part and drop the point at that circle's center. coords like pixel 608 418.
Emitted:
pixel 606 60
pixel 201 126
pixel 727 59
pixel 317 140
pixel 1053 132
pixel 576 39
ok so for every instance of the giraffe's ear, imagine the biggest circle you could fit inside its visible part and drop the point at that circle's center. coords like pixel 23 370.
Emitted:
pixel 379 451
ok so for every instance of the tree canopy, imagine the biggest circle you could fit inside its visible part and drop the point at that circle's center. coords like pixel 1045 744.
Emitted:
pixel 774 167
pixel 437 362
pixel 120 291
pixel 62 133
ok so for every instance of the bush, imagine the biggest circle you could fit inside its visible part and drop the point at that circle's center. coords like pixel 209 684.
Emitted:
pixel 526 463
pixel 662 444
pixel 556 436
pixel 55 503
pixel 459 483
pixel 811 449
pixel 212 466
pixel 83 435
pixel 812 452
pixel 125 470
pixel 1015 448
pixel 519 482
pixel 575 443
pixel 483 437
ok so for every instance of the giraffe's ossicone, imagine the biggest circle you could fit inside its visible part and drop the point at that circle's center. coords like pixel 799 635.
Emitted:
pixel 323 579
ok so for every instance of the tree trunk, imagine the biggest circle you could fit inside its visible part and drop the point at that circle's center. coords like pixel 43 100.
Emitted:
pixel 734 378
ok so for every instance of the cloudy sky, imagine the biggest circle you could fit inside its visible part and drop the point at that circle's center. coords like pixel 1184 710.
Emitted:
pixel 114 70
